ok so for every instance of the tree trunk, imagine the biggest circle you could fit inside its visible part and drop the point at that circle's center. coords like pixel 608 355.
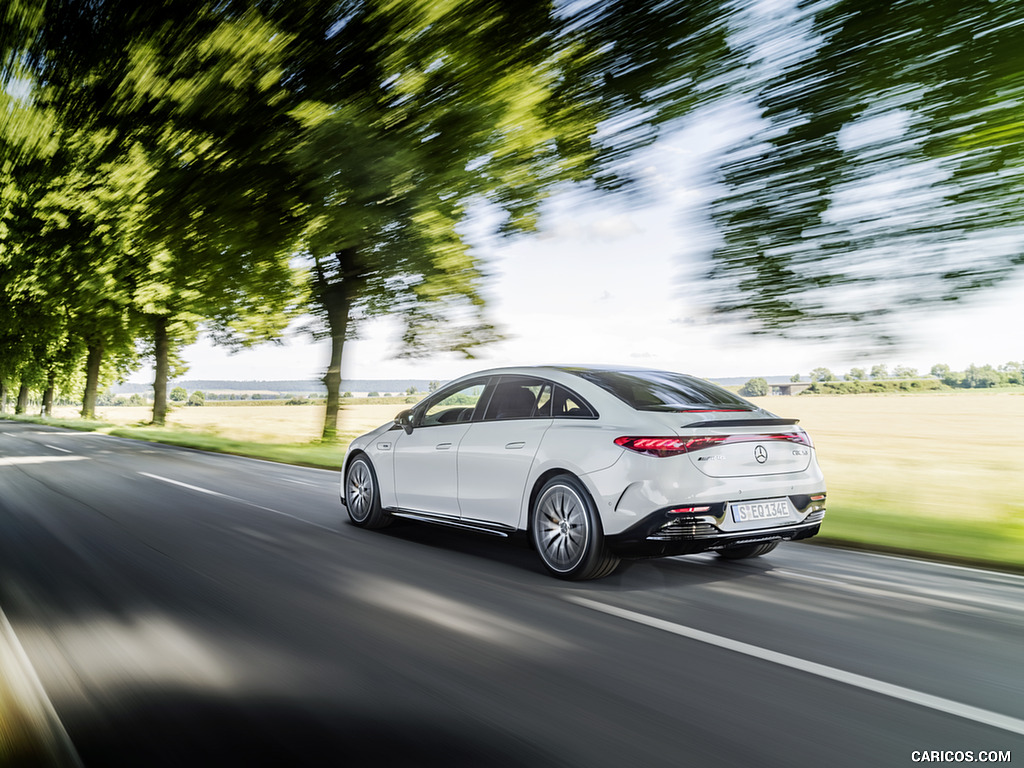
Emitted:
pixel 92 380
pixel 22 404
pixel 3 397
pixel 336 298
pixel 48 395
pixel 162 351
pixel 337 304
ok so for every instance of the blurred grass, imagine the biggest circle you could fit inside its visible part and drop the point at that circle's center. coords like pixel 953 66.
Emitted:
pixel 995 544
pixel 939 476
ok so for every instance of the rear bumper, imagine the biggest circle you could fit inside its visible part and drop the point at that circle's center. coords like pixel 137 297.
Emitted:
pixel 664 533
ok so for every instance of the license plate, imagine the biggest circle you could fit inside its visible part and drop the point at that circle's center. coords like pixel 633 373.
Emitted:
pixel 769 509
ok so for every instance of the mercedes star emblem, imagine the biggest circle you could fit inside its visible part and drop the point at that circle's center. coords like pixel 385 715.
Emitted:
pixel 761 454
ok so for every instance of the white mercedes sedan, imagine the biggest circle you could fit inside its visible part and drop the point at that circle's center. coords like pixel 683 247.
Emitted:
pixel 593 464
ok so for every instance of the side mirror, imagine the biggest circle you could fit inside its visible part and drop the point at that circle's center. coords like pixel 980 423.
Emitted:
pixel 404 420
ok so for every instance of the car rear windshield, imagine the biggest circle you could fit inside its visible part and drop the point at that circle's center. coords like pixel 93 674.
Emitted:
pixel 664 391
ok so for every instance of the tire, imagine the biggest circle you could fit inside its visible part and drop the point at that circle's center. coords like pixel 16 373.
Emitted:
pixel 567 533
pixel 750 550
pixel 362 496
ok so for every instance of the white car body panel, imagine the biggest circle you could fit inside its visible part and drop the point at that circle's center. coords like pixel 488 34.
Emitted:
pixel 426 468
pixel 495 463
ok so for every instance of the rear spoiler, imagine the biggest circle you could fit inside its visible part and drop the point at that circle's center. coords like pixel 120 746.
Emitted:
pixel 743 423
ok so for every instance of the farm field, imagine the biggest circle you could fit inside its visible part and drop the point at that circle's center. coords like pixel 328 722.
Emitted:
pixel 939 473
pixel 255 423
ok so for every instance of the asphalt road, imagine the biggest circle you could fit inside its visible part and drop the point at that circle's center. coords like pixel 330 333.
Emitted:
pixel 183 608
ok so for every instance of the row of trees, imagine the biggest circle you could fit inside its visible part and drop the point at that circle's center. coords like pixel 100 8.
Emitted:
pixel 975 376
pixel 230 166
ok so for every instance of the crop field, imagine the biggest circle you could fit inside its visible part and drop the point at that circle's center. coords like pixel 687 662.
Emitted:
pixel 255 423
pixel 917 472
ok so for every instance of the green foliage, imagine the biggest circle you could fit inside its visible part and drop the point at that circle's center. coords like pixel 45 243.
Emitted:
pixel 940 371
pixel 822 374
pixel 197 398
pixel 179 395
pixel 887 163
pixel 981 377
pixel 904 372
pixel 756 387
pixel 875 387
pixel 411 390
pixel 795 378
pixel 856 374
pixel 1013 371
pixel 879 372
pixel 373 394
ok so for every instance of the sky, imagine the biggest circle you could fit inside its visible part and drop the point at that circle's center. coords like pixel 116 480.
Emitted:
pixel 609 281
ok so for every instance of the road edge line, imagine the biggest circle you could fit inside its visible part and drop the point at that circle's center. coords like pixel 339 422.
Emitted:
pixel 25 694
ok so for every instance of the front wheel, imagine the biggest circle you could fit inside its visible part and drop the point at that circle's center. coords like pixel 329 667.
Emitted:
pixel 362 497
pixel 750 550
pixel 567 533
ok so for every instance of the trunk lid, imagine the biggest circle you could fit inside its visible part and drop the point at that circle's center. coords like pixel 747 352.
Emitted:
pixel 744 445
pixel 738 444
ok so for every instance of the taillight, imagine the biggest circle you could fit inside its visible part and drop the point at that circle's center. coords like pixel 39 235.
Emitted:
pixel 659 446
pixel 675 446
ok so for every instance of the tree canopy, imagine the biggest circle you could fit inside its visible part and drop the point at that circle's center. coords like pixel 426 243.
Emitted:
pixel 229 165
pixel 886 171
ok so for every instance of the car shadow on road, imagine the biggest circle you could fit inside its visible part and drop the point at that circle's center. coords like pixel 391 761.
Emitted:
pixel 640 574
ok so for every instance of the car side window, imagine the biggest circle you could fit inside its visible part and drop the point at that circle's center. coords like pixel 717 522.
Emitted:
pixel 518 398
pixel 452 407
pixel 568 405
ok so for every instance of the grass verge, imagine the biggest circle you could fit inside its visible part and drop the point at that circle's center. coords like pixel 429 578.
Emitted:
pixel 879 525
pixel 996 543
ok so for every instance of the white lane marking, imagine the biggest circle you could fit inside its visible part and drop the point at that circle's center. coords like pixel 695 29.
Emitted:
pixel 30 699
pixel 197 489
pixel 966 711
pixel 58 431
pixel 975 570
pixel 897 591
pixel 57 448
pixel 300 482
pixel 11 461
pixel 892 592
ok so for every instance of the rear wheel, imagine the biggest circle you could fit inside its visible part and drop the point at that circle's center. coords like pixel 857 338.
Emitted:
pixel 567 533
pixel 362 497
pixel 750 550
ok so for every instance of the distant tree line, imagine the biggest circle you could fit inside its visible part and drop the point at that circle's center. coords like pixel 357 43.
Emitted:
pixel 974 377
pixel 902 378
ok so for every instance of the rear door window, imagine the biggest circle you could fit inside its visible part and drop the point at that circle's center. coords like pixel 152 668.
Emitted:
pixel 518 397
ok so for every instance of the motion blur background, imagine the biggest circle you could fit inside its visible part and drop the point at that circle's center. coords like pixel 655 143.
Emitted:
pixel 394 189
pixel 670 183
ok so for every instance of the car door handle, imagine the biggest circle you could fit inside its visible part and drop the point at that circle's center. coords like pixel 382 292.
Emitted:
pixel 443 446
pixel 513 446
